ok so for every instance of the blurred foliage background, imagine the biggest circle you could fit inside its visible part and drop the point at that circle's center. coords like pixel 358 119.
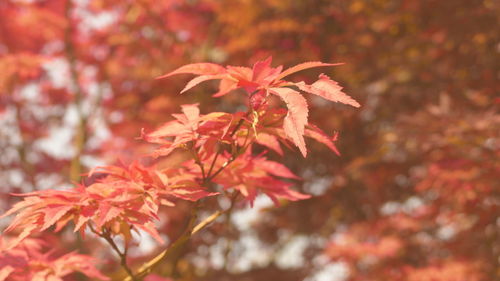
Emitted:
pixel 415 194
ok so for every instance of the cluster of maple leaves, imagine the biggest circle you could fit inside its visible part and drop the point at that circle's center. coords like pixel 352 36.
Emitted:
pixel 29 260
pixel 400 150
pixel 123 199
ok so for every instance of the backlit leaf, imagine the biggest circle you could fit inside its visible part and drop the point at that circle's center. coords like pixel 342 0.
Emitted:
pixel 296 118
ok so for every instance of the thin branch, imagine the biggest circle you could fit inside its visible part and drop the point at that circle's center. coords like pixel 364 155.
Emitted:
pixel 219 150
pixel 206 221
pixel 179 243
pixel 221 168
pixel 211 176
pixel 123 255
pixel 233 157
pixel 197 160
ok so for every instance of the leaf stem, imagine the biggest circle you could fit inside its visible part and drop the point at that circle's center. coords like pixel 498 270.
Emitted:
pixel 210 176
pixel 197 160
pixel 212 164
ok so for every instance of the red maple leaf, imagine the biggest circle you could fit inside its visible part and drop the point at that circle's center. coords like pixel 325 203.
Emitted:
pixel 249 174
pixel 190 126
pixel 263 80
pixel 127 198
pixel 29 261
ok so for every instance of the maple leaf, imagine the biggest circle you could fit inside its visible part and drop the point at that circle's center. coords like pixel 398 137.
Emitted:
pixel 29 261
pixel 261 76
pixel 249 174
pixel 202 131
pixel 271 131
pixel 328 89
pixel 127 198
pixel 38 209
pixel 296 118
pixel 320 136
pixel 261 81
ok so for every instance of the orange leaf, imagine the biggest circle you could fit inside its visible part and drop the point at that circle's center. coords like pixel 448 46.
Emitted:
pixel 296 118
pixel 328 89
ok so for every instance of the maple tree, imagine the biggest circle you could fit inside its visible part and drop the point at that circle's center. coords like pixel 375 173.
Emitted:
pixel 128 199
pixel 414 195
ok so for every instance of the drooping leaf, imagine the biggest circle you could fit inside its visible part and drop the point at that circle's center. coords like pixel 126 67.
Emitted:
pixel 296 118
pixel 277 169
pixel 250 174
pixel 328 89
pixel 320 136
pixel 280 190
